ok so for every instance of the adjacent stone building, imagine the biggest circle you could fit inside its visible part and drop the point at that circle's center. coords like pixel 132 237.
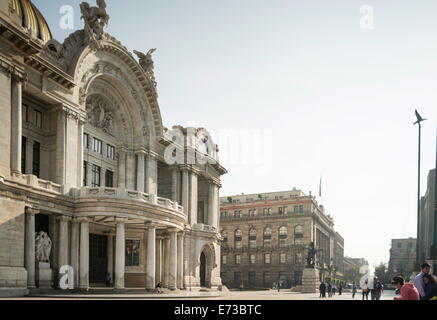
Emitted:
pixel 402 257
pixel 266 235
pixel 427 239
pixel 86 160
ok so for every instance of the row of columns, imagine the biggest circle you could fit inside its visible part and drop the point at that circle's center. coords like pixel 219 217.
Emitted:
pixel 164 254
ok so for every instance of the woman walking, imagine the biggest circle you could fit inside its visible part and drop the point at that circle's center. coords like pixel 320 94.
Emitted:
pixel 366 290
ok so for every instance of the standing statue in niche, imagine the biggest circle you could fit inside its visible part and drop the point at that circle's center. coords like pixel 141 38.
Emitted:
pixel 43 247
pixel 95 18
pixel 311 257
pixel 146 62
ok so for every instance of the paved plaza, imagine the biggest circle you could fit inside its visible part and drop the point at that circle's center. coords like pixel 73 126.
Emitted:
pixel 232 295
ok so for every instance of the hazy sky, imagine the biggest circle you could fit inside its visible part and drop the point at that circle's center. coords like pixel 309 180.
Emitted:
pixel 332 98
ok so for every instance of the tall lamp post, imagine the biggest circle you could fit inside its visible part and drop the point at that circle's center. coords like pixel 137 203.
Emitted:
pixel 419 121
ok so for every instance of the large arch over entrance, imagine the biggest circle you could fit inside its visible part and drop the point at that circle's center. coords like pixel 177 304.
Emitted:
pixel 207 264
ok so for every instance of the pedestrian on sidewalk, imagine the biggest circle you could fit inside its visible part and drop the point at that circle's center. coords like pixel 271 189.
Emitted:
pixel 322 289
pixel 329 290
pixel 418 281
pixel 334 288
pixel 407 290
pixel 158 288
pixel 366 290
pixel 430 287
pixel 340 289
pixel 108 279
pixel 376 292
pixel 354 290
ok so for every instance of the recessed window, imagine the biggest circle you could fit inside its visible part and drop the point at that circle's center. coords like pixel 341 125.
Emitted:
pixel 252 259
pixel 86 141
pixel 97 145
pixel 110 152
pixel 36 158
pixel 283 235
pixel 237 259
pixel 267 238
pixel 95 178
pixel 132 253
pixel 25 111
pixel 224 260
pixel 109 179
pixel 267 258
pixel 85 173
pixel 38 119
pixel 282 258
pixel 238 239
pixel 252 239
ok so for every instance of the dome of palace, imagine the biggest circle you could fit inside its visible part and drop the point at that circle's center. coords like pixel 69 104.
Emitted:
pixel 32 19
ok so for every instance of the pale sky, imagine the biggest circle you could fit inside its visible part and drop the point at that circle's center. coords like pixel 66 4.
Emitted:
pixel 332 98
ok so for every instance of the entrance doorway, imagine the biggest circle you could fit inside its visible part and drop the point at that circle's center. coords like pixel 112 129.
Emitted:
pixel 202 270
pixel 98 259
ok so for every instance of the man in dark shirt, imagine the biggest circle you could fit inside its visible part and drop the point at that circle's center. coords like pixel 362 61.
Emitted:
pixel 376 292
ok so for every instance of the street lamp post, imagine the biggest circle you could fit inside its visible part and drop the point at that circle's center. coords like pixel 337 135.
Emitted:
pixel 419 121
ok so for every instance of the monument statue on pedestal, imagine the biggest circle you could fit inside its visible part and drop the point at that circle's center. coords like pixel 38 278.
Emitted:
pixel 310 277
pixel 311 256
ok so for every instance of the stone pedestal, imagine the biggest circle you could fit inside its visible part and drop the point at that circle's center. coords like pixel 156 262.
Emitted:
pixel 44 275
pixel 310 280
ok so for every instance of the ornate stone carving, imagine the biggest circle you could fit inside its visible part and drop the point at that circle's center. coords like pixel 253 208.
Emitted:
pixel 146 62
pixel 95 18
pixel 99 115
pixel 43 247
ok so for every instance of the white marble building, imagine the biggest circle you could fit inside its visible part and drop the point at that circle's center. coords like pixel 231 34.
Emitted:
pixel 84 158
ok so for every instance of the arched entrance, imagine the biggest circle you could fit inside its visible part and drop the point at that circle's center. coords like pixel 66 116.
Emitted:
pixel 202 270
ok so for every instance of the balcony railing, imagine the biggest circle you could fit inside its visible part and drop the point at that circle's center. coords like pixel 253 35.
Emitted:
pixel 263 248
pixel 262 216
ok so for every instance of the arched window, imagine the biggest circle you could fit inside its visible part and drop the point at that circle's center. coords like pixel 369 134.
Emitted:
pixel 238 239
pixel 267 237
pixel 298 235
pixel 283 234
pixel 252 238
pixel 225 236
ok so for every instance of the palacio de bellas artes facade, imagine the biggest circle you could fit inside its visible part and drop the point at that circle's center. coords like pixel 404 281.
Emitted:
pixel 91 182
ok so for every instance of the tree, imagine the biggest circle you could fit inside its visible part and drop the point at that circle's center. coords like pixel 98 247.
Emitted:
pixel 230 199
pixel 381 271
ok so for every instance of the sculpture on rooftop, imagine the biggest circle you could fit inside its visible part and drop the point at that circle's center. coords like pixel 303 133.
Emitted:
pixel 95 19
pixel 146 62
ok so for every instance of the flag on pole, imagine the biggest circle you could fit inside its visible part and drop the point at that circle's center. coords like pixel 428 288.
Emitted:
pixel 320 187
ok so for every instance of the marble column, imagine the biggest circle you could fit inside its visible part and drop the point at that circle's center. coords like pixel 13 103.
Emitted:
pixel 211 199
pixel 174 184
pixel 63 241
pixel 140 171
pixel 29 257
pixel 185 191
pixel 166 264
pixel 120 254
pixel 158 273
pixel 74 251
pixel 173 259
pixel 84 254
pixel 193 198
pixel 61 127
pixel 180 262
pixel 151 257
pixel 16 124
pixel 122 169
pixel 110 253
pixel 152 175
pixel 28 167
pixel 89 173
pixel 217 206
pixel 80 153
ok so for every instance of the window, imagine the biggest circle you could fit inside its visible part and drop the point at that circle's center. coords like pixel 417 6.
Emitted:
pixel 266 279
pixel 23 154
pixel 237 259
pixel 95 178
pixel 267 237
pixel 283 237
pixel 283 258
pixel 252 259
pixel 298 258
pixel 225 236
pixel 252 278
pixel 252 238
pixel 224 259
pixel 110 152
pixel 267 211
pixel 270 211
pixel 97 145
pixel 86 141
pixel 251 212
pixel 237 214
pixel 298 235
pixel 267 257
pixel 264 211
pixel 109 179
pixel 201 212
pixel 282 210
pixel 36 158
pixel 85 173
pixel 283 279
pixel 238 239
pixel 223 214
pixel 25 111
pixel 38 119
pixel 237 278
pixel 132 253
pixel 399 245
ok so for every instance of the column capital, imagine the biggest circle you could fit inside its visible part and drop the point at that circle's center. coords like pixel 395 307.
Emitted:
pixel 82 219
pixel 141 152
pixel 64 218
pixel 150 225
pixel 173 230
pixel 121 220
pixel 31 211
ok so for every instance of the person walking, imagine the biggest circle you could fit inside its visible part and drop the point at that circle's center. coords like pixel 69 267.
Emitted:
pixel 354 290
pixel 340 289
pixel 329 290
pixel 430 287
pixel 334 288
pixel 108 279
pixel 322 289
pixel 418 280
pixel 377 289
pixel 279 287
pixel 365 290
pixel 407 290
